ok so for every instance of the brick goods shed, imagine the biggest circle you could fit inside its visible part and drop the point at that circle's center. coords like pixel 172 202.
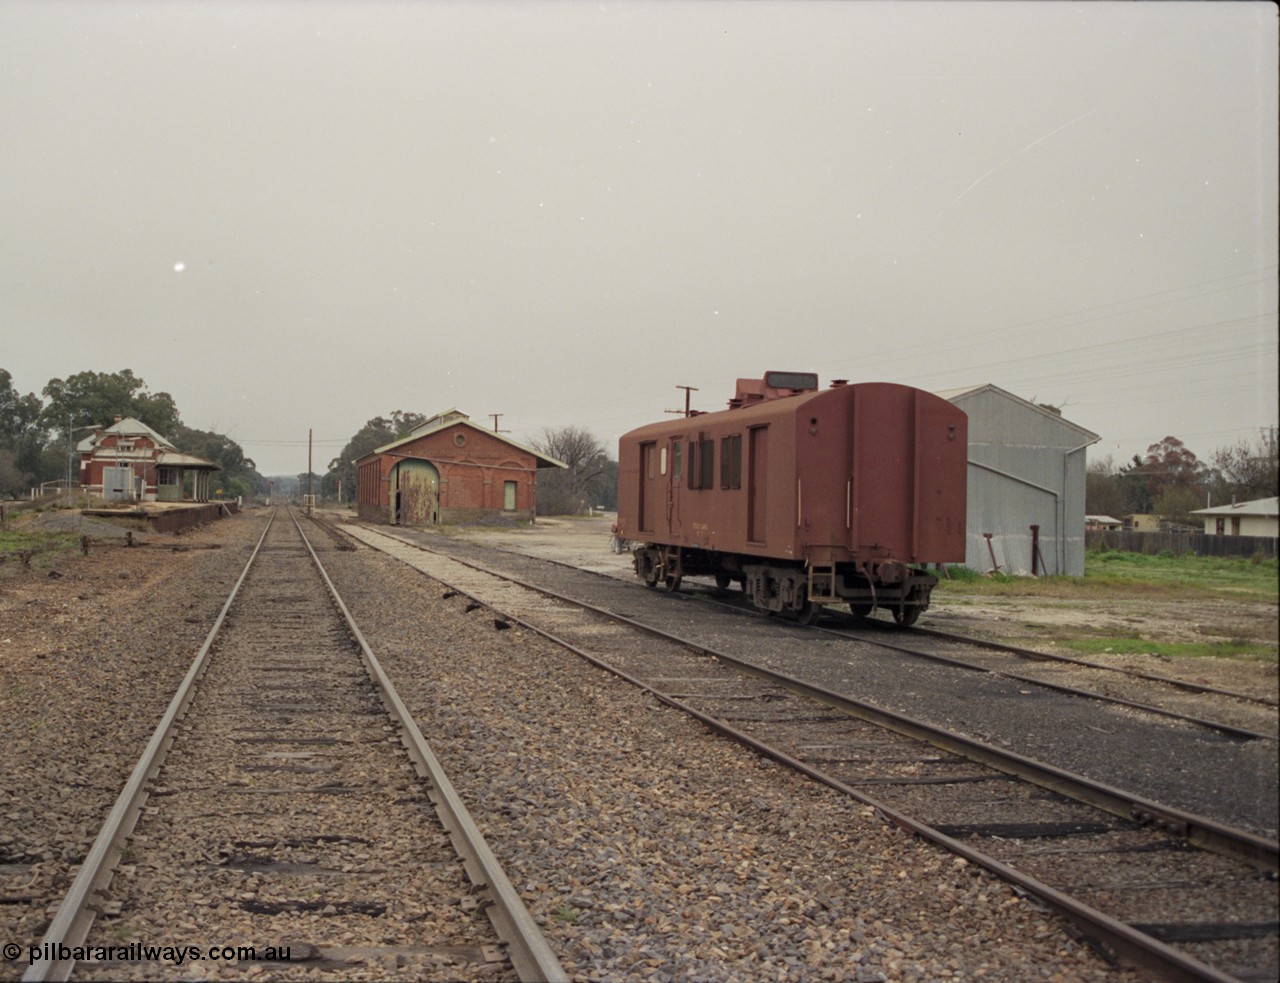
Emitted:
pixel 449 470
pixel 1026 484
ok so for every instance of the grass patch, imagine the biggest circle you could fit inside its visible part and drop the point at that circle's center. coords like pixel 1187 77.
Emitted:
pixel 1252 579
pixel 1162 576
pixel 1234 649
pixel 14 542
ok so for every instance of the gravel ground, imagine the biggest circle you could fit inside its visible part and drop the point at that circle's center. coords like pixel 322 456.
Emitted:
pixel 1183 766
pixel 653 850
pixel 91 650
pixel 1110 871
pixel 287 810
pixel 648 848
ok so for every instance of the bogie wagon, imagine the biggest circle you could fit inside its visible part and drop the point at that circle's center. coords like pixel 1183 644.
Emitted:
pixel 802 496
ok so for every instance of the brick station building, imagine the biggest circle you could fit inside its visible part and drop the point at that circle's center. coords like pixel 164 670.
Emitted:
pixel 128 461
pixel 449 469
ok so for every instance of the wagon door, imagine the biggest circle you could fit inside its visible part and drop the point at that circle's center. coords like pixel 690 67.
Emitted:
pixel 416 494
pixel 675 480
pixel 757 482
pixel 649 487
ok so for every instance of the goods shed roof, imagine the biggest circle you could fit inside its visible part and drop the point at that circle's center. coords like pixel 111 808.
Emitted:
pixel 450 418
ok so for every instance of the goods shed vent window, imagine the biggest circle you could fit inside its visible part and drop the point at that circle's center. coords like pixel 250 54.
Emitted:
pixel 731 461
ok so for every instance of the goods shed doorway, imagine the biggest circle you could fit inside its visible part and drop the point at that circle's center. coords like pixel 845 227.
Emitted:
pixel 415 493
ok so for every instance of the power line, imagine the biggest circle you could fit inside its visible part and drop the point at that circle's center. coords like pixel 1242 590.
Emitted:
pixel 907 351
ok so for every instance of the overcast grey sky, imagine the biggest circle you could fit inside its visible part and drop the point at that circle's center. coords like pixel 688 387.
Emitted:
pixel 297 216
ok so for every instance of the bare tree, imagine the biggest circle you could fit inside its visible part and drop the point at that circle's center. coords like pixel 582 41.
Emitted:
pixel 587 478
pixel 1247 470
pixel 1103 494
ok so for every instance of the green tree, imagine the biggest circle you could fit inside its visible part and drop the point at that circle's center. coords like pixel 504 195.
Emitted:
pixel 1135 488
pixel 308 483
pixel 1171 466
pixel 374 434
pixel 99 397
pixel 22 438
pixel 238 477
pixel 1176 505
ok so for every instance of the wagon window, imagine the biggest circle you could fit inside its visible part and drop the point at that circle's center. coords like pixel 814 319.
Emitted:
pixel 731 461
pixel 675 459
pixel 702 466
pixel 706 462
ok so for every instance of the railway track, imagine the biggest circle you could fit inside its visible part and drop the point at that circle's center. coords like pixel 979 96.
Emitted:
pixel 1146 691
pixel 1236 716
pixel 1128 870
pixel 288 815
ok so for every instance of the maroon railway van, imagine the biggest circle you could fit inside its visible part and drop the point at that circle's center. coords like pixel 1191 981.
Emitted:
pixel 803 496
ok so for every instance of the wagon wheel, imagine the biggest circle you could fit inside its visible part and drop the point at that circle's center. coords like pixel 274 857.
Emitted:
pixel 671 582
pixel 808 611
pixel 723 580
pixel 906 615
pixel 860 610
pixel 648 570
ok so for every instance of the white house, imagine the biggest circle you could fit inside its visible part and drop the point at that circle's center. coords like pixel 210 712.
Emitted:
pixel 1261 517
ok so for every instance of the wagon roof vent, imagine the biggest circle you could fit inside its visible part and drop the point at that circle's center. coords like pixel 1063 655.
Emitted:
pixel 774 385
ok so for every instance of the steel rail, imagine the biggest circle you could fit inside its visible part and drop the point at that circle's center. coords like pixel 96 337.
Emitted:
pixel 1229 729
pixel 1031 654
pixel 1036 656
pixel 527 947
pixel 1200 831
pixel 75 915
pixel 1125 941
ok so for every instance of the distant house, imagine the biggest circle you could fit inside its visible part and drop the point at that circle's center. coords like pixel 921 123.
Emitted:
pixel 1093 522
pixel 128 461
pixel 1142 522
pixel 449 469
pixel 1260 517
pixel 1025 485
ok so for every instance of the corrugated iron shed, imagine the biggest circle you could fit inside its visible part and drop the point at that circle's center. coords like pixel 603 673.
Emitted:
pixel 1026 484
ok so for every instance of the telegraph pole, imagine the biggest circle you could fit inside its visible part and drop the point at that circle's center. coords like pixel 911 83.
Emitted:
pixel 310 498
pixel 687 411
